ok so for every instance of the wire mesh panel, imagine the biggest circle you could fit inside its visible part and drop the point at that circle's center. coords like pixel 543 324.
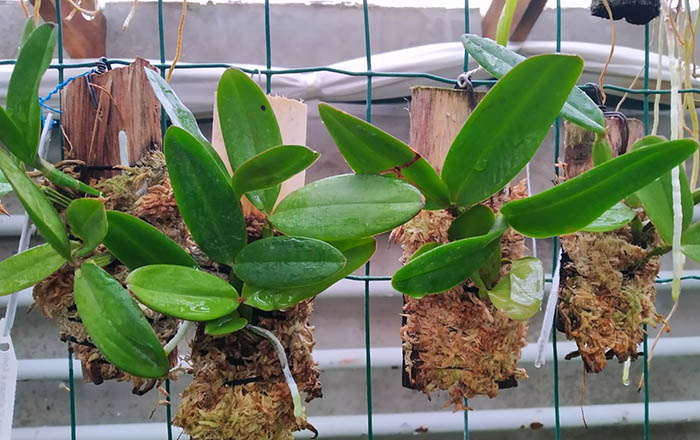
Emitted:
pixel 365 281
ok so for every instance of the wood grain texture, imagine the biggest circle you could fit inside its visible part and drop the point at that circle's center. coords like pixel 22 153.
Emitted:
pixel 81 38
pixel 125 102
pixel 437 116
pixel 578 142
pixel 291 117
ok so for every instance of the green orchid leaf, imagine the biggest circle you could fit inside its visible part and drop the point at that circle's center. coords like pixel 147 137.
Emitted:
pixel 88 221
pixel 226 324
pixel 369 150
pixel 602 151
pixel 356 252
pixel 498 61
pixel 576 203
pixel 476 220
pixel 657 197
pixel 248 126
pixel 28 268
pixel 116 324
pixel 29 27
pixel 136 243
pixel 180 116
pixel 508 126
pixel 347 206
pixel 207 203
pixel 690 242
pixel 520 293
pixel 38 207
pixel 286 262
pixel 614 218
pixel 272 167
pixel 423 249
pixel 448 265
pixel 11 136
pixel 183 292
pixel 23 90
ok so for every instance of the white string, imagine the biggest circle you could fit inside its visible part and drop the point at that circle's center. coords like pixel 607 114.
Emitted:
pixel 24 237
pixel 548 319
pixel 529 193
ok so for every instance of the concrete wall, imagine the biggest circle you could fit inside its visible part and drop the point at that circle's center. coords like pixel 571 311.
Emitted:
pixel 316 35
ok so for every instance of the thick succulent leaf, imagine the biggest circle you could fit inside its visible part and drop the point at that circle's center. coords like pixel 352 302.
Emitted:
pixel 287 262
pixel 272 167
pixel 356 252
pixel 226 324
pixel 12 137
pixel 520 293
pixel 180 116
pixel 116 324
pixel 28 268
pixel 574 204
pixel 29 27
pixel 23 90
pixel 446 266
pixel 601 149
pixel 207 203
pixel 347 206
pixel 88 221
pixel 136 243
pixel 370 150
pixel 476 220
pixel 248 126
pixel 425 248
pixel 657 197
pixel 38 207
pixel 497 60
pixel 508 126
pixel 183 292
pixel 690 241
pixel 614 218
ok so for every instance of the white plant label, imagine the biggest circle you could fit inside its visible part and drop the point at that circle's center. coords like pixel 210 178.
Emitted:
pixel 8 384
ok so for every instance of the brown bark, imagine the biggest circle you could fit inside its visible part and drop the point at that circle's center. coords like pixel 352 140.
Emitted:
pixel 125 101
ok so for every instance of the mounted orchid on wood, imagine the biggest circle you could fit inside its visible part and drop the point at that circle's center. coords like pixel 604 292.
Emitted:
pixel 467 246
pixel 137 270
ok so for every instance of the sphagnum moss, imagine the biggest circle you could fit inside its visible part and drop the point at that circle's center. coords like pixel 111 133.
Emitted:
pixel 456 341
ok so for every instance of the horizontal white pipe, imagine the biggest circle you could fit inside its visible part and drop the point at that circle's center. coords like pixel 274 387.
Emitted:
pixel 353 358
pixel 355 426
pixel 345 289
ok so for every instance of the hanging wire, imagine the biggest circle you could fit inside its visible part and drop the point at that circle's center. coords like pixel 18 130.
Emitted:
pixel 555 253
pixel 268 48
pixel 368 117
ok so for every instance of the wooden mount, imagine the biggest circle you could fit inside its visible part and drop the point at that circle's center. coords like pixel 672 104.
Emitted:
pixel 437 116
pixel 125 101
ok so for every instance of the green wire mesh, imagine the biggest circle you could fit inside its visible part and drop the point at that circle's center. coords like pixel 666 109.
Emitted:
pixel 367 279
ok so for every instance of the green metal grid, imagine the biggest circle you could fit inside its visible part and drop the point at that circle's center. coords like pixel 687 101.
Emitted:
pixel 367 279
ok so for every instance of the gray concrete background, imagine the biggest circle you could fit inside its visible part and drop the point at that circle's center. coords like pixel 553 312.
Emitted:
pixel 315 35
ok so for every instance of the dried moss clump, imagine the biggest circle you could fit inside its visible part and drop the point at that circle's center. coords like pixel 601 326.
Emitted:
pixel 456 341
pixel 606 294
pixel 239 390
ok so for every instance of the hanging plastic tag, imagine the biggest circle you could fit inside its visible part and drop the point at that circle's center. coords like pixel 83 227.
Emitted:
pixel 8 383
